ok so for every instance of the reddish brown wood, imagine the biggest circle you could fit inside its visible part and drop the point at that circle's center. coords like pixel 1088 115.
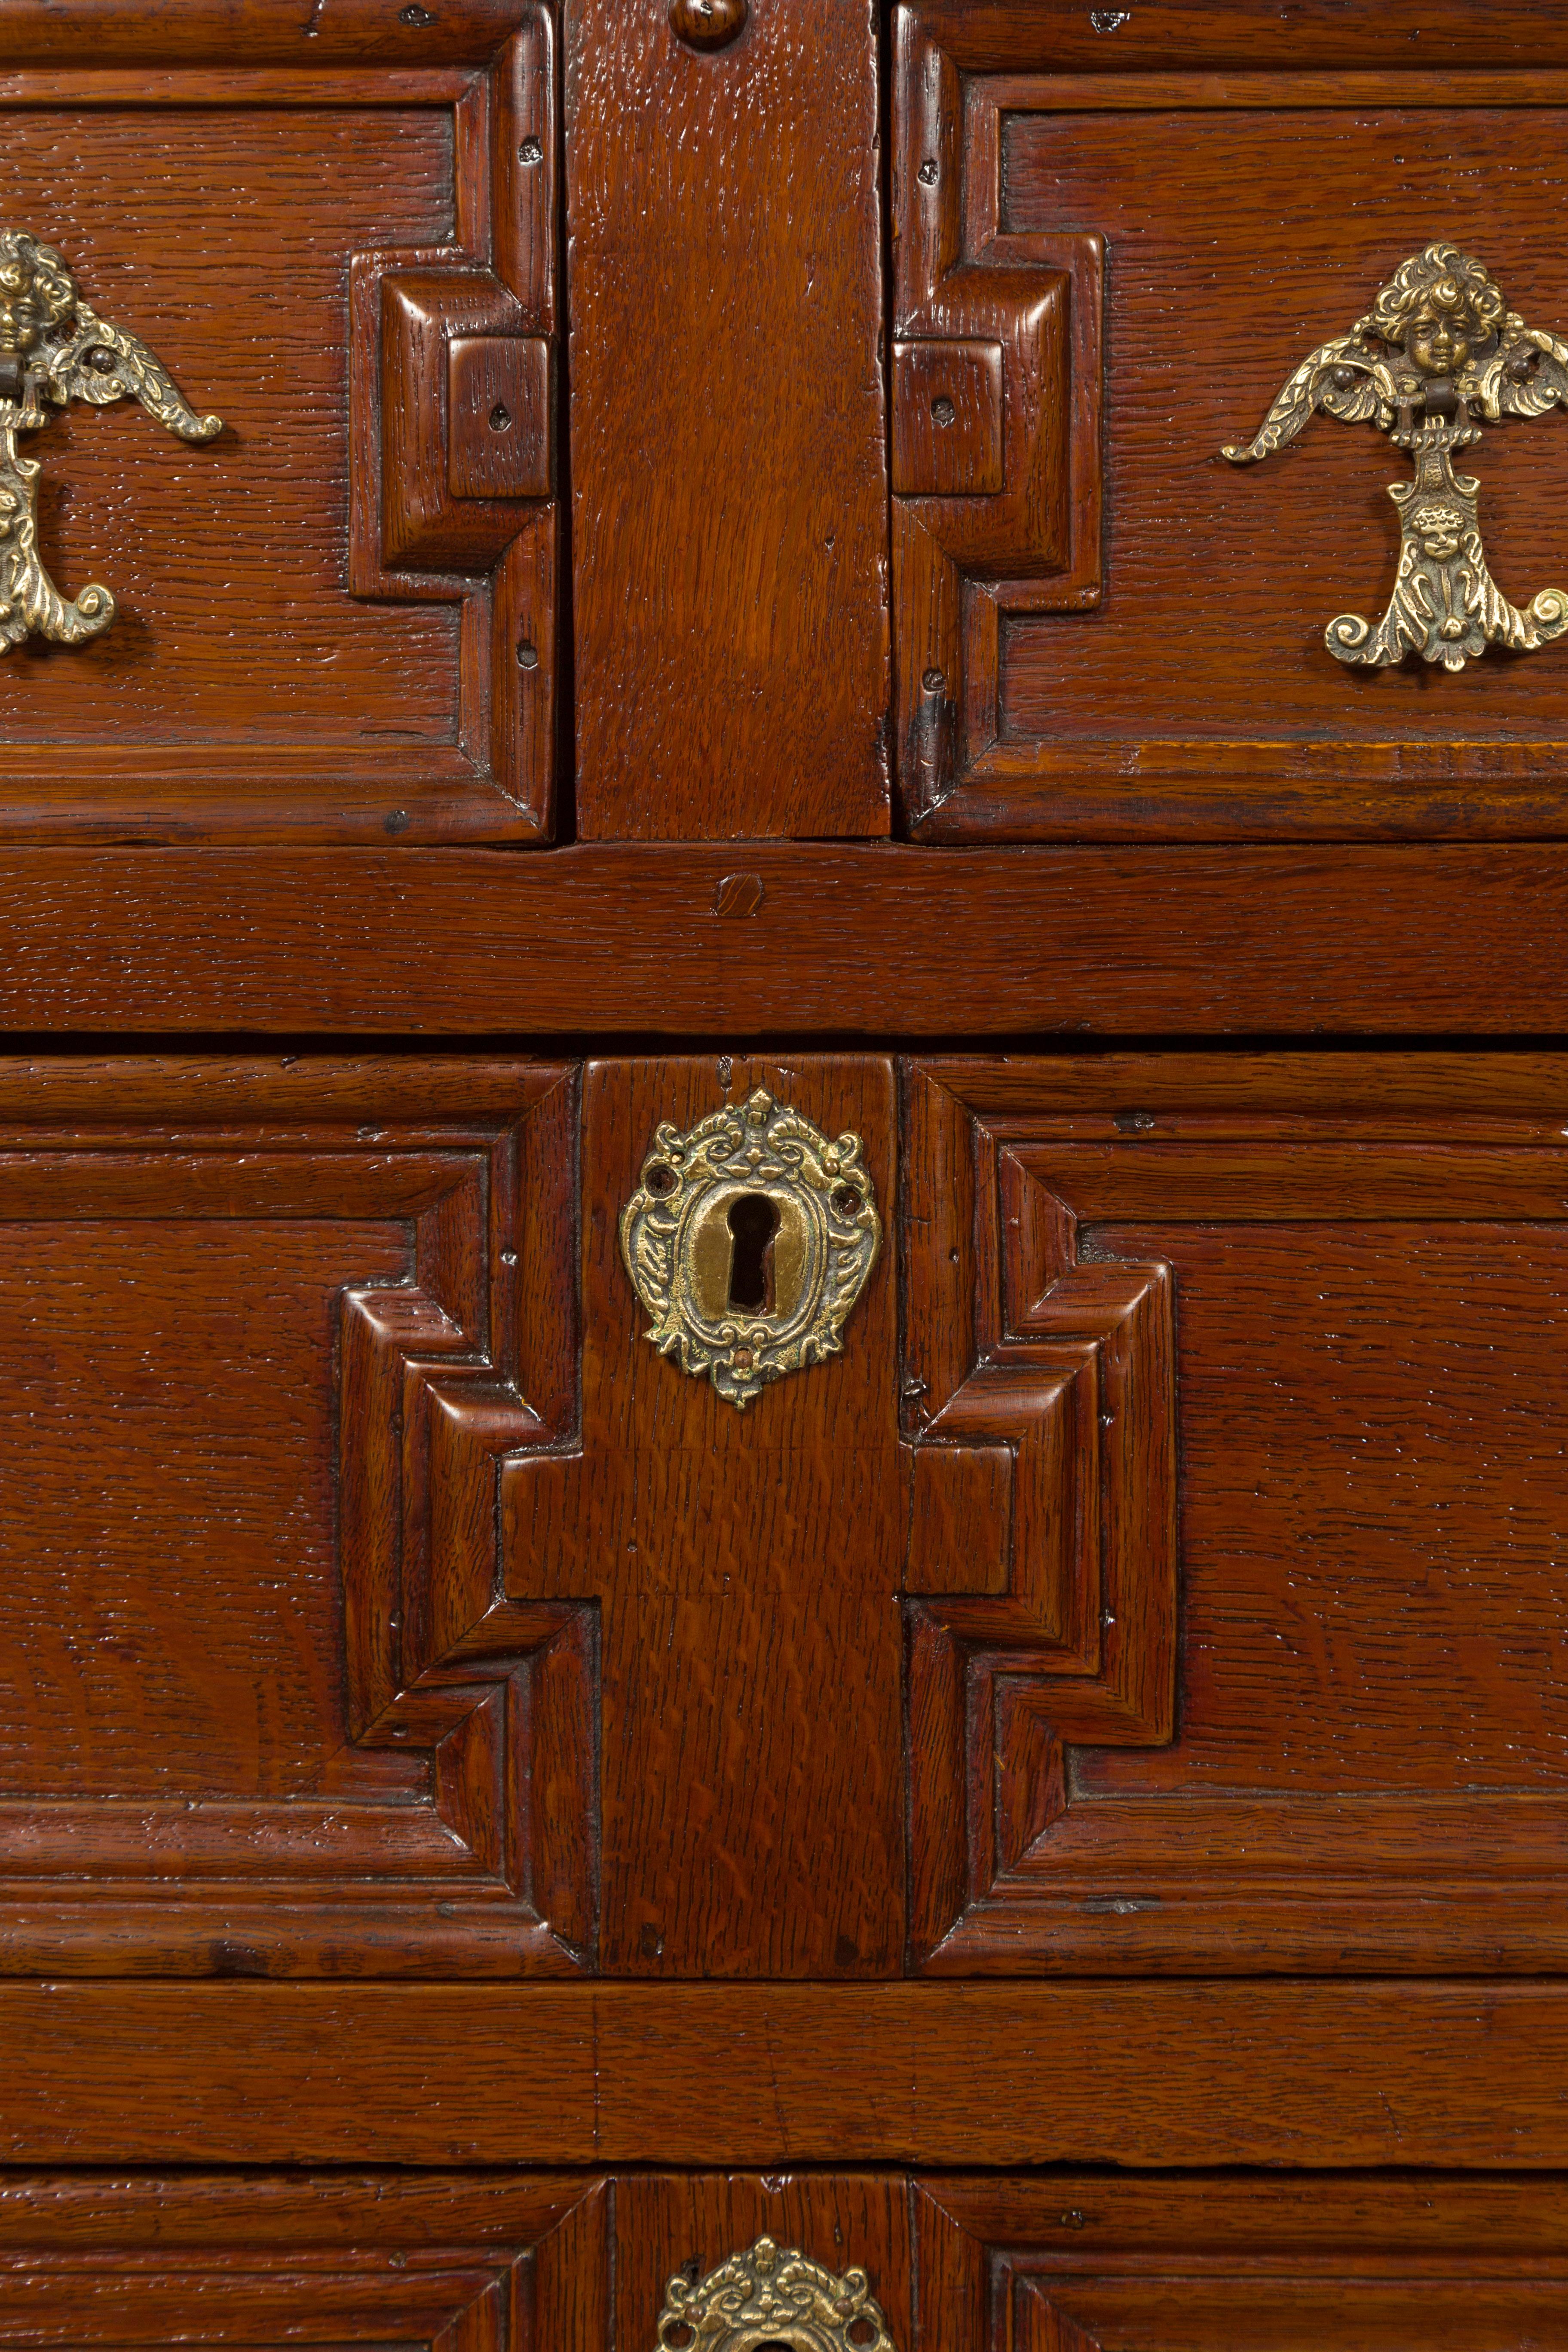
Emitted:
pixel 747 1568
pixel 451 459
pixel 242 690
pixel 1086 2261
pixel 947 418
pixel 499 391
pixel 463 2265
pixel 860 942
pixel 1025 537
pixel 228 33
pixel 1200 701
pixel 1151 2075
pixel 728 470
pixel 1068 1632
pixel 267 1328
pixel 1369 1756
pixel 842 2221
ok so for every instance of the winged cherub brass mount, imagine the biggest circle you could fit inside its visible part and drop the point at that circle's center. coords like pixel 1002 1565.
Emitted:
pixel 53 349
pixel 1438 357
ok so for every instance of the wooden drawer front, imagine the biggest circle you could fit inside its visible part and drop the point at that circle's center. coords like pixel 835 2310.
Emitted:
pixel 1174 680
pixel 378 1601
pixel 321 634
pixel 444 2262
pixel 243 1309
pixel 494 2261
pixel 1365 1765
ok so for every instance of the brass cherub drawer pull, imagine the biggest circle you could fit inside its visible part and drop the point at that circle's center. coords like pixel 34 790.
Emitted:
pixel 53 350
pixel 1439 356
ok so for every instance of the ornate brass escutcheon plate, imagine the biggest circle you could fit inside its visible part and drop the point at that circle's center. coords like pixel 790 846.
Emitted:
pixel 772 2296
pixel 1438 357
pixel 749 1240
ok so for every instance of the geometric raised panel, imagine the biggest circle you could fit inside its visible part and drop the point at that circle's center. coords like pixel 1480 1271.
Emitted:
pixel 1351 1751
pixel 439 2263
pixel 263 1713
pixel 996 458
pixel 262 681
pixel 1197 700
pixel 451 429
pixel 1347 2262
pixel 1041 1582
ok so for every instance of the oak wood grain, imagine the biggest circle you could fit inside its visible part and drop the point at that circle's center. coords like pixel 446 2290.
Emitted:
pixel 1149 2074
pixel 728 469
pixel 868 942
pixel 746 1568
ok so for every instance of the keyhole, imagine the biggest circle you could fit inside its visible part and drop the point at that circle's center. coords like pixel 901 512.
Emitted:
pixel 752 1222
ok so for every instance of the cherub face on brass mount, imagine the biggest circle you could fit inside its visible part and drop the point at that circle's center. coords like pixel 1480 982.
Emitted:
pixel 53 350
pixel 1438 358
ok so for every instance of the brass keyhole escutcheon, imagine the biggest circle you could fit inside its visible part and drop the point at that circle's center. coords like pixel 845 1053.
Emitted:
pixel 749 1241
pixel 772 2299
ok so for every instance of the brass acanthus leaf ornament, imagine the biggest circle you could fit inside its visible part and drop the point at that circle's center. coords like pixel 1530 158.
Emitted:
pixel 53 350
pixel 1438 357
pixel 748 1241
pixel 772 2295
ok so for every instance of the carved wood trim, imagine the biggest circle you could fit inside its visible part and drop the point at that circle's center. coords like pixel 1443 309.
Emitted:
pixel 496 1870
pixel 1041 1585
pixel 434 2263
pixel 965 557
pixel 414 531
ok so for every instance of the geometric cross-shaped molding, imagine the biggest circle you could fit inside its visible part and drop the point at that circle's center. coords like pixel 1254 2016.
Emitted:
pixel 501 1691
pixel 1041 1580
pixel 451 430
pixel 318 1739
pixel 996 457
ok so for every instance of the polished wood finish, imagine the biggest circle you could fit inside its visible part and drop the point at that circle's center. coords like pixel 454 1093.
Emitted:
pixel 1150 2074
pixel 1366 1764
pixel 745 1568
pixel 451 455
pixel 799 941
pixel 452 2264
pixel 1086 2261
pixel 1200 701
pixel 1030 1801
pixel 261 1712
pixel 729 475
pixel 243 692
pixel 970 556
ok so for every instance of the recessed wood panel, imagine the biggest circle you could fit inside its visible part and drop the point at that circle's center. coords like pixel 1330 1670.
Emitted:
pixel 437 2262
pixel 1367 1764
pixel 268 1330
pixel 1248 217
pixel 1195 2265
pixel 260 679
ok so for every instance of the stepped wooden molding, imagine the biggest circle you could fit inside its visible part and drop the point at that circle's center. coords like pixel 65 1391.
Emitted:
pixel 426 1797
pixel 1367 1263
pixel 1082 2261
pixel 997 392
pixel 437 2263
pixel 1041 1580
pixel 452 428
